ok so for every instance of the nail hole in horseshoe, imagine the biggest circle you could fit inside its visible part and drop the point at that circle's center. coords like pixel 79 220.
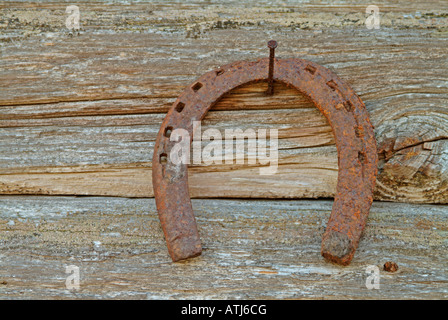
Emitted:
pixel 348 106
pixel 180 106
pixel 332 85
pixel 196 86
pixel 361 156
pixel 310 69
pixel 163 159
pixel 219 72
pixel 168 131
pixel 359 132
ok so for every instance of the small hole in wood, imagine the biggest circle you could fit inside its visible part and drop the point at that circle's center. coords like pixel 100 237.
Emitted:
pixel 196 86
pixel 168 131
pixel 163 159
pixel 180 106
pixel 310 69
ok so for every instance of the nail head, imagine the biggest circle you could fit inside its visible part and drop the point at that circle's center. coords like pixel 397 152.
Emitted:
pixel 272 44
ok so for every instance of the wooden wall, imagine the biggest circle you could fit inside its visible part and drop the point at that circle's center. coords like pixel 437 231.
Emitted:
pixel 79 113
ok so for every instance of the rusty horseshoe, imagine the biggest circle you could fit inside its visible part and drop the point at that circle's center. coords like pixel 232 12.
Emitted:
pixel 345 112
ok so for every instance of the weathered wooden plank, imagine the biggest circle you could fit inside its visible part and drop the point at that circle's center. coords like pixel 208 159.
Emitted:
pixel 254 249
pixel 109 155
pixel 79 113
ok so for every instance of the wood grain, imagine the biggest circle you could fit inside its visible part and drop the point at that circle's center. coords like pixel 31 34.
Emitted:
pixel 79 113
pixel 253 249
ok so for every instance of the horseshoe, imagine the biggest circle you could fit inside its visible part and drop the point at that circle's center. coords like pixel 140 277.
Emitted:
pixel 344 110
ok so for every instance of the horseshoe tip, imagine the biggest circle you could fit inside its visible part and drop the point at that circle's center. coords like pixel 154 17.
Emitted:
pixel 178 258
pixel 338 248
pixel 185 250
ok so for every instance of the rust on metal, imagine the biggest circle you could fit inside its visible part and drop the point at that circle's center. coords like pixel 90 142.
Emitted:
pixel 349 120
pixel 272 44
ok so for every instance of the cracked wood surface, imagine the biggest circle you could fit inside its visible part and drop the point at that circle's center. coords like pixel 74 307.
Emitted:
pixel 79 113
pixel 253 249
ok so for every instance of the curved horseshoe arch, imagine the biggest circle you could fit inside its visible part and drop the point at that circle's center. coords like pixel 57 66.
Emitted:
pixel 353 132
